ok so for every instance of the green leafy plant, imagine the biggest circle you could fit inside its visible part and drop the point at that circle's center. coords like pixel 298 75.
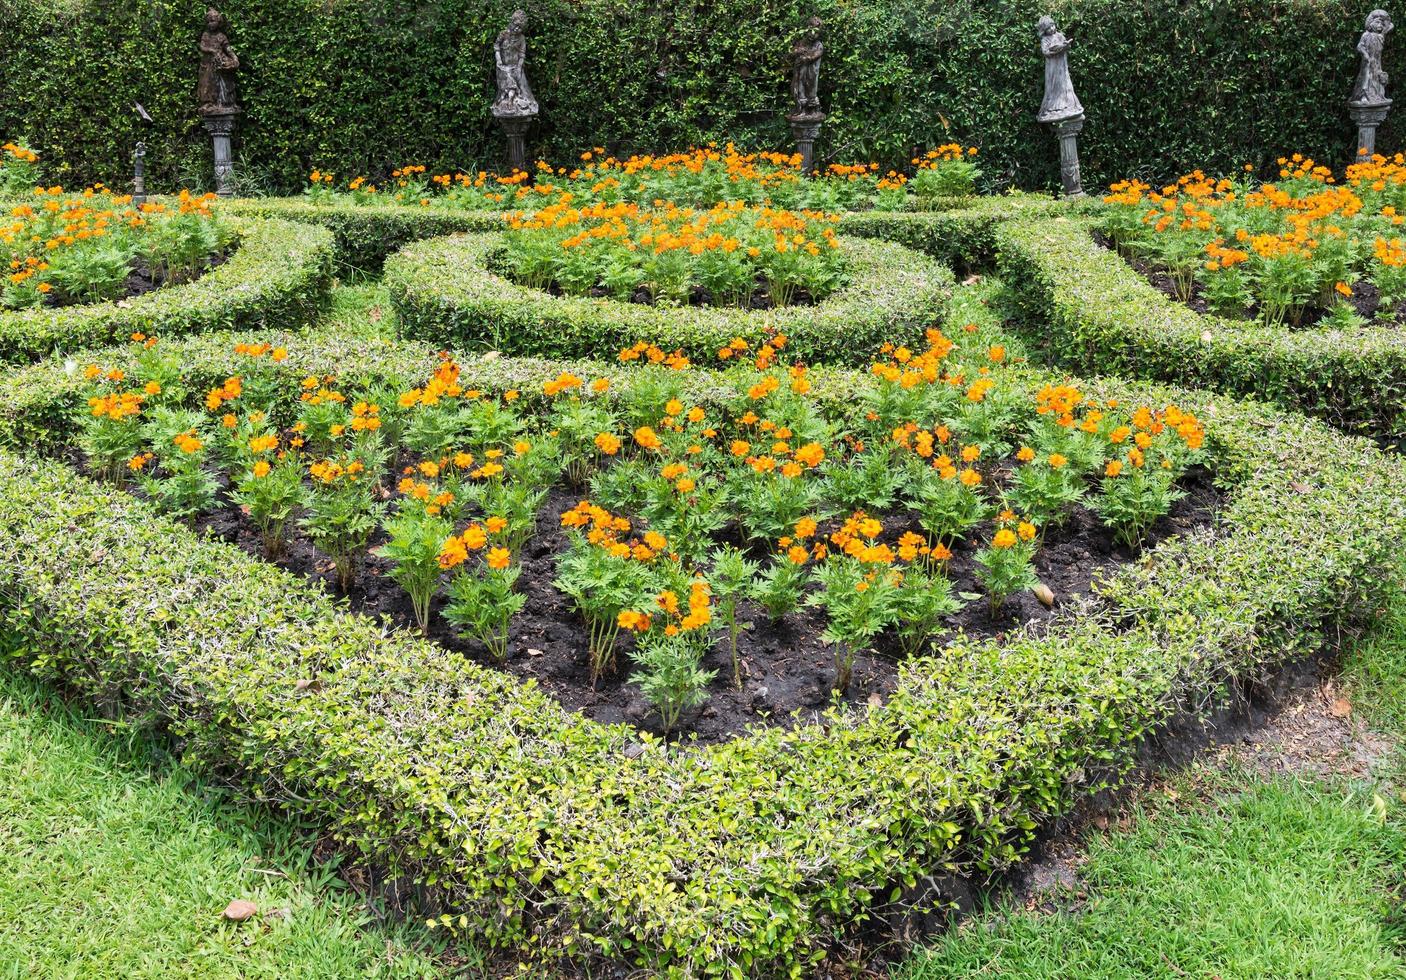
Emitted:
pixel 860 601
pixel 1133 497
pixel 733 578
pixel 922 600
pixel 1004 567
pixel 342 512
pixel 414 538
pixel 483 599
pixel 272 492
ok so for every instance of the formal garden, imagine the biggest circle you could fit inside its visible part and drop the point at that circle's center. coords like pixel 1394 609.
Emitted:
pixel 481 504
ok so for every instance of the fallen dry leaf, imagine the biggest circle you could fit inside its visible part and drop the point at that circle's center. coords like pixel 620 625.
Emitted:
pixel 239 910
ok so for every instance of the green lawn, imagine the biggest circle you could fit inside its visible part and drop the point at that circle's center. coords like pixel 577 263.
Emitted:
pixel 112 865
pixel 1227 874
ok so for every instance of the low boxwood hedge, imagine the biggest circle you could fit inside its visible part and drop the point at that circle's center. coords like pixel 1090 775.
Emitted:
pixel 566 837
pixel 960 231
pixel 1097 314
pixel 278 277
pixel 444 291
pixel 957 230
pixel 366 234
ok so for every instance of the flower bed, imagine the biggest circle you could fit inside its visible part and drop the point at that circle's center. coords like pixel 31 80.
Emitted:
pixel 536 828
pixel 955 230
pixel 277 276
pixel 1301 250
pixel 1095 313
pixel 69 249
pixel 444 291
pixel 700 177
pixel 726 255
pixel 783 528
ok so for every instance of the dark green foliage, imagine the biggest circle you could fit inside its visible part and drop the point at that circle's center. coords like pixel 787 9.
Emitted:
pixel 443 291
pixel 278 277
pixel 362 86
pixel 1098 315
pixel 540 827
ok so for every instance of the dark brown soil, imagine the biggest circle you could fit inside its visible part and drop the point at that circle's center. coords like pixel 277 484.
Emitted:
pixel 142 279
pixel 787 669
pixel 1366 299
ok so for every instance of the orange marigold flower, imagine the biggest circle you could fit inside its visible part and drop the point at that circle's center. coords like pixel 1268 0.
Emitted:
pixel 647 438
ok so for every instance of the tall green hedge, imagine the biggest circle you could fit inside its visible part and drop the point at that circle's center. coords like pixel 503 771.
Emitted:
pixel 360 86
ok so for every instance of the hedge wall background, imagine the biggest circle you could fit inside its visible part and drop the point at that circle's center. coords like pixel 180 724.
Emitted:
pixel 361 86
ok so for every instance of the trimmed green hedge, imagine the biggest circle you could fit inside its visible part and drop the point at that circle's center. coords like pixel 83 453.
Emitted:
pixel 959 231
pixel 1098 315
pixel 364 86
pixel 443 291
pixel 278 277
pixel 550 832
pixel 955 230
pixel 366 234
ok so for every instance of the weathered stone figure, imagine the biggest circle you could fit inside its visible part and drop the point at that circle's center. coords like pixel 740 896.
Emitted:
pixel 215 96
pixel 1370 88
pixel 1368 104
pixel 806 53
pixel 1060 100
pixel 510 71
pixel 1061 108
pixel 218 63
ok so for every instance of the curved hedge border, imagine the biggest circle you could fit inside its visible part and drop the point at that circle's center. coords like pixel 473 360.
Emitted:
pixel 552 832
pixel 960 231
pixel 366 234
pixel 1099 315
pixel 277 278
pixel 957 230
pixel 442 291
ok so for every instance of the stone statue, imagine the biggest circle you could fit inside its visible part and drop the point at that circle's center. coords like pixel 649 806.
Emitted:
pixel 805 71
pixel 218 63
pixel 510 60
pixel 1370 88
pixel 1060 101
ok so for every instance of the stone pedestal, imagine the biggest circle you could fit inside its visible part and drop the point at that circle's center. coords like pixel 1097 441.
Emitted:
pixel 139 175
pixel 1067 132
pixel 220 125
pixel 805 129
pixel 515 129
pixel 1368 116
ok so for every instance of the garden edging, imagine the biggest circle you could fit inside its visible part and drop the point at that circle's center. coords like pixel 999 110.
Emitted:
pixel 1100 316
pixel 542 828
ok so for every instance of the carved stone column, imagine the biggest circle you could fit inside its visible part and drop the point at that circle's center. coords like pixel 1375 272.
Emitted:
pixel 220 125
pixel 1367 117
pixel 515 129
pixel 1067 130
pixel 805 129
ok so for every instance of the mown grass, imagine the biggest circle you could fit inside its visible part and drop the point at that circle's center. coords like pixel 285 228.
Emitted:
pixel 1227 874
pixel 115 863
